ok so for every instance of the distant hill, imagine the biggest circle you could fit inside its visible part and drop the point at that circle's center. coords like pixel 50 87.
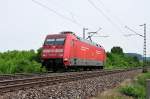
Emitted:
pixel 137 55
pixel 148 58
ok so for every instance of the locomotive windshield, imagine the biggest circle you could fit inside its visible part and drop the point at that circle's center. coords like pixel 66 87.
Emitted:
pixel 54 41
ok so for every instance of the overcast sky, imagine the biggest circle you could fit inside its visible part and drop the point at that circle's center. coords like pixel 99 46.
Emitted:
pixel 24 24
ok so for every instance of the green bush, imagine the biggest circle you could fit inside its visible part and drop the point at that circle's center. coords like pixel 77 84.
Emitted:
pixel 20 62
pixel 117 59
pixel 138 89
pixel 142 79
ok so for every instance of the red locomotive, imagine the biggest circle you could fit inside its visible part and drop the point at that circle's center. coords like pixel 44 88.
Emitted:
pixel 66 50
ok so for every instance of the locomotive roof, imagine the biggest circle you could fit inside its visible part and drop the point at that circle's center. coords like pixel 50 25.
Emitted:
pixel 79 38
pixel 88 41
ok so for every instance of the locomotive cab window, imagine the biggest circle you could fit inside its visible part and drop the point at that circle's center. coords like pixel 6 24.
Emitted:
pixel 59 41
pixel 49 42
pixel 55 41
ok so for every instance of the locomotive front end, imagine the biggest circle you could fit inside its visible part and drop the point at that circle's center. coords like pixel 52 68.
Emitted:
pixel 53 51
pixel 53 48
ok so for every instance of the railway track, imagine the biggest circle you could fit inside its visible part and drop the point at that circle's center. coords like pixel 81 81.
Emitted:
pixel 29 75
pixel 26 75
pixel 24 83
pixel 22 75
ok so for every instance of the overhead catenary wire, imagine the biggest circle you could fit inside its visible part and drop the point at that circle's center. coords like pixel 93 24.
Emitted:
pixel 133 32
pixel 112 15
pixel 108 19
pixel 118 20
pixel 57 13
pixel 102 36
pixel 71 13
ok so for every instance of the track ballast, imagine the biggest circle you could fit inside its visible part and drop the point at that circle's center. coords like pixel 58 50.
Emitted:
pixel 35 81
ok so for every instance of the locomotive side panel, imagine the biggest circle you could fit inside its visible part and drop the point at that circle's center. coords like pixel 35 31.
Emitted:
pixel 83 54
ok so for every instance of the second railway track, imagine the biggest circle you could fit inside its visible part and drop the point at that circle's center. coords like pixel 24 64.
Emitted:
pixel 24 83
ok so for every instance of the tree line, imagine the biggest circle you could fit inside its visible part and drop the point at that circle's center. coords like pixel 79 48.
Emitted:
pixel 20 62
pixel 116 58
pixel 29 61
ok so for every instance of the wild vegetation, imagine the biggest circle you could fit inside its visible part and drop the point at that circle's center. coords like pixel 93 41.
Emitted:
pixel 20 62
pixel 137 90
pixel 117 59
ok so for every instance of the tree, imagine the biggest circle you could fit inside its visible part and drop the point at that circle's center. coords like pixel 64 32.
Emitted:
pixel 117 59
pixel 117 50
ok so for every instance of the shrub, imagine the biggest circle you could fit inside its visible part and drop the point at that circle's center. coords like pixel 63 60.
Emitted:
pixel 117 59
pixel 20 62
pixel 138 89
pixel 142 79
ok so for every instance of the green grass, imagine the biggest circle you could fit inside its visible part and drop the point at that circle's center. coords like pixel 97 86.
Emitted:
pixel 138 89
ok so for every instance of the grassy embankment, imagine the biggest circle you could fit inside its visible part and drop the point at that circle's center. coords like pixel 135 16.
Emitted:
pixel 137 90
pixel 129 89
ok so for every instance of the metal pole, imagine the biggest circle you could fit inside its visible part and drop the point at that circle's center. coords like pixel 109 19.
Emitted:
pixel 145 70
pixel 144 46
pixel 144 49
pixel 84 29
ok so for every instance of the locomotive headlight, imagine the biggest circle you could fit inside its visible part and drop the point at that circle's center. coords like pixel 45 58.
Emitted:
pixel 65 59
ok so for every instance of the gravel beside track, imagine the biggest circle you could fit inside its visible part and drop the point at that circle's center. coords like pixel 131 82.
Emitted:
pixel 73 89
pixel 24 83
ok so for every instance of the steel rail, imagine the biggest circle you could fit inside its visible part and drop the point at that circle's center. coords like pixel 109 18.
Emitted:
pixel 18 84
pixel 21 75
